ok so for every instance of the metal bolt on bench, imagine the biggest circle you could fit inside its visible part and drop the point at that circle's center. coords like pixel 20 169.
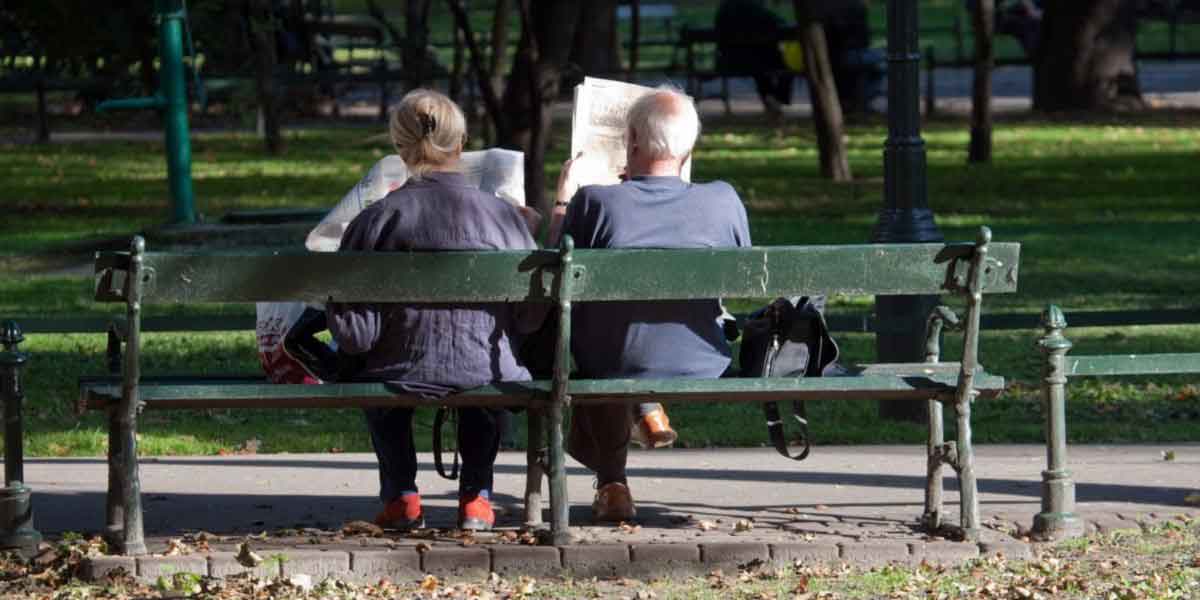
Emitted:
pixel 16 506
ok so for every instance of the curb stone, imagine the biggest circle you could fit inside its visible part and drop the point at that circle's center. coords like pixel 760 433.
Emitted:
pixel 1107 523
pixel 535 561
pixel 469 562
pixel 733 554
pixel 806 553
pixel 943 553
pixel 369 566
pixel 98 567
pixel 224 564
pixel 870 554
pixel 659 560
pixel 318 564
pixel 646 560
pixel 1010 549
pixel 600 560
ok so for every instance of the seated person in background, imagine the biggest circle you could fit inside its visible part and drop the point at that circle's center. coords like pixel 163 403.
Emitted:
pixel 858 69
pixel 1021 19
pixel 746 45
pixel 433 349
pixel 653 208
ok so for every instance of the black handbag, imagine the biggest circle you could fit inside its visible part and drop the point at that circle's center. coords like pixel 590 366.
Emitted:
pixel 788 338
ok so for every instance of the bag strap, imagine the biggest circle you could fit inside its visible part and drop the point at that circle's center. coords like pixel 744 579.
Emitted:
pixel 439 419
pixel 771 409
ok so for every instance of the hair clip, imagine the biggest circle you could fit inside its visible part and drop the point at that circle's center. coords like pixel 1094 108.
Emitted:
pixel 428 124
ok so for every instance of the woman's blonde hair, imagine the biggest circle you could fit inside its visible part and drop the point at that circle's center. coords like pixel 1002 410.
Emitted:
pixel 428 130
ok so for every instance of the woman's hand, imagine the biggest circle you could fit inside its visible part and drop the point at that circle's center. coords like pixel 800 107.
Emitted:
pixel 533 219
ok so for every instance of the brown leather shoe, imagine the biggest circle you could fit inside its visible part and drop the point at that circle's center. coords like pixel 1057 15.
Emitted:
pixel 613 503
pixel 653 431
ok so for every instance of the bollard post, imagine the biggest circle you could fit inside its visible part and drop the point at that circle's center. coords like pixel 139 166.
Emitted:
pixel 16 506
pixel 1058 519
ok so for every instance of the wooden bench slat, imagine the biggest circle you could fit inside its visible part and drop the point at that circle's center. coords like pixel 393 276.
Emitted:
pixel 1131 364
pixel 604 275
pixel 182 392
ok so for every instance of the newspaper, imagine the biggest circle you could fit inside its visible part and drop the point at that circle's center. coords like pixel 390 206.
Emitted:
pixel 598 129
pixel 498 171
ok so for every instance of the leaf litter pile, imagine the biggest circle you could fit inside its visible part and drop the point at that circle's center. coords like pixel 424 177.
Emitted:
pixel 1160 562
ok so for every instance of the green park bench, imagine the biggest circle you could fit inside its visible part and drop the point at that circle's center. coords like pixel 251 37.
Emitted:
pixel 1057 518
pixel 557 277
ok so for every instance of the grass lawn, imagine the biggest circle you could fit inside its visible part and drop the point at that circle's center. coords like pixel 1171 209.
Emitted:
pixel 1105 212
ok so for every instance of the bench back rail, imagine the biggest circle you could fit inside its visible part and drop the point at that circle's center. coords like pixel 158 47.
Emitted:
pixel 558 277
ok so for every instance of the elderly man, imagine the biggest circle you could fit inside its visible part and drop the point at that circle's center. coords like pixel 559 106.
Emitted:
pixel 652 208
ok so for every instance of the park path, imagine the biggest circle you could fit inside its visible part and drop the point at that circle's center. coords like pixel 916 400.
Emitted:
pixel 845 503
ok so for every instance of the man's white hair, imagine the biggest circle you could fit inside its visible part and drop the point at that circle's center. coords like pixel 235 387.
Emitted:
pixel 665 123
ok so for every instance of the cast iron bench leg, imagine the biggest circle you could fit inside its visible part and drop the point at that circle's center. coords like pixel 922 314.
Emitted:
pixel 932 519
pixel 114 522
pixel 534 460
pixel 559 399
pixel 966 470
pixel 133 542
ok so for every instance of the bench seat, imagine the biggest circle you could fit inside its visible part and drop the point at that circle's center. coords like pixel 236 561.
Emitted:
pixel 886 381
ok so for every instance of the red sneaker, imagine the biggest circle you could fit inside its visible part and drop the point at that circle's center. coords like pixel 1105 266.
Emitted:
pixel 475 512
pixel 403 513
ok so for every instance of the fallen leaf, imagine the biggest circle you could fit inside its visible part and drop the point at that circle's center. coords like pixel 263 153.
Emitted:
pixel 362 528
pixel 430 583
pixel 525 585
pixel 249 446
pixel 706 525
pixel 246 557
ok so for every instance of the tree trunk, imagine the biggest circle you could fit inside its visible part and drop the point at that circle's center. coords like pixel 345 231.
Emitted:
pixel 499 45
pixel 262 32
pixel 1085 60
pixel 827 111
pixel 491 102
pixel 416 29
pixel 596 50
pixel 547 34
pixel 980 149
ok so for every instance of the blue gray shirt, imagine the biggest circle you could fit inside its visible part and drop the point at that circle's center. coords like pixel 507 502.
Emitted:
pixel 647 340
pixel 458 345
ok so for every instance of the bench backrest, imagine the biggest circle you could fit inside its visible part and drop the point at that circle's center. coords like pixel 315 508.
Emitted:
pixel 594 275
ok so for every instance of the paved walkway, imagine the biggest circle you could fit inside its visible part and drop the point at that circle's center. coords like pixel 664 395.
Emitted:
pixel 853 504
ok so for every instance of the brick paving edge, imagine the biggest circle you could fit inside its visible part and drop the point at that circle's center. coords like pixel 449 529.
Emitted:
pixel 595 560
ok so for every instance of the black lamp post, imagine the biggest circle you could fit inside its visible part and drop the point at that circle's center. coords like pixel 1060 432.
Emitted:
pixel 905 216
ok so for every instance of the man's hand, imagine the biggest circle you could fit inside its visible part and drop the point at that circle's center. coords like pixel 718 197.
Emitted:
pixel 567 184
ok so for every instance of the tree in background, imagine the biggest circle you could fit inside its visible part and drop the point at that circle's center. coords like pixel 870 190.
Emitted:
pixel 827 110
pixel 1085 59
pixel 89 40
pixel 983 21
pixel 263 25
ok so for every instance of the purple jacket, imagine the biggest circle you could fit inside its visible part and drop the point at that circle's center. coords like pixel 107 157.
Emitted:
pixel 458 345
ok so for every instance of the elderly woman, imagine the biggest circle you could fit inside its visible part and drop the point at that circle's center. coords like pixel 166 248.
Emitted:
pixel 433 349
